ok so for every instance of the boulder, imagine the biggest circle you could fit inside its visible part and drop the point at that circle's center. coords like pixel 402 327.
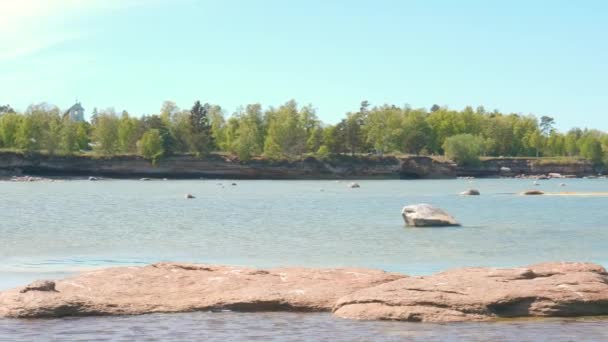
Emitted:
pixel 471 192
pixel 478 294
pixel 172 287
pixel 533 192
pixel 426 215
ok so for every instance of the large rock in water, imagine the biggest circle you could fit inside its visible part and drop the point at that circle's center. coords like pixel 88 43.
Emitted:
pixel 550 289
pixel 426 215
pixel 169 287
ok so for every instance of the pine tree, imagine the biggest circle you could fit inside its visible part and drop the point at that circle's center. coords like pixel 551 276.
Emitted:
pixel 200 140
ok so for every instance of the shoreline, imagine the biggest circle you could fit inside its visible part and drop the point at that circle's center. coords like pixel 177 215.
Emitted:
pixel 340 167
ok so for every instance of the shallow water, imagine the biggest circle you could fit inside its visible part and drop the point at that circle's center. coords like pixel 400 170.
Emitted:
pixel 50 230
pixel 203 326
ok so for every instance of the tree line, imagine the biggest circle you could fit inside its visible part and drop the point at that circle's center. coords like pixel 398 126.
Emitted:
pixel 291 132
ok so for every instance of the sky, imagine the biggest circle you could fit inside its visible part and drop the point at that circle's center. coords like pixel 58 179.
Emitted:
pixel 539 57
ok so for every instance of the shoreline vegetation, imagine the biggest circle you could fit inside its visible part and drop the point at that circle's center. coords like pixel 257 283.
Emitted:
pixel 293 133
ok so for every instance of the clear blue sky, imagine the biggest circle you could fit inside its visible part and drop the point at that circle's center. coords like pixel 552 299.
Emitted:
pixel 541 57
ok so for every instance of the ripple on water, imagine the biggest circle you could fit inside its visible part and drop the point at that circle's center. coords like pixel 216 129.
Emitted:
pixel 229 326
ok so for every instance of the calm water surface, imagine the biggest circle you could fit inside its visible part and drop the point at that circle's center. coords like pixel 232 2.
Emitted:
pixel 50 230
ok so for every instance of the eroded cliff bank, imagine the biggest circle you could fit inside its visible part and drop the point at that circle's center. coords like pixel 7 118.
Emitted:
pixel 338 167
pixel 468 294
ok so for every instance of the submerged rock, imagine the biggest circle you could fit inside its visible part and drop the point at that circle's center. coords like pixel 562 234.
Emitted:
pixel 471 192
pixel 426 215
pixel 354 185
pixel 533 192
pixel 169 287
pixel 543 290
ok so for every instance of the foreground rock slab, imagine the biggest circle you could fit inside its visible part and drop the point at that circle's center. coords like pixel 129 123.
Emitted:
pixel 478 294
pixel 171 287
pixel 426 215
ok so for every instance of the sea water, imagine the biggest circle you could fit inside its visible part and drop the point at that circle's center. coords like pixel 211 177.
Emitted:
pixel 50 230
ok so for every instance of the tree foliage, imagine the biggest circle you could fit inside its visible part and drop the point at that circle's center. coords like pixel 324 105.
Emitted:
pixel 464 149
pixel 290 131
pixel 150 146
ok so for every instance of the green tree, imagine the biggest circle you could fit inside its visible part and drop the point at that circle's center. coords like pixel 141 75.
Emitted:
pixel 200 137
pixel 383 129
pixel 416 132
pixel 128 133
pixel 4 109
pixel 9 126
pixel 167 110
pixel 246 132
pixel 464 149
pixel 286 137
pixel 334 138
pixel 150 146
pixel 546 125
pixel 105 133
pixel 323 153
pixel 591 149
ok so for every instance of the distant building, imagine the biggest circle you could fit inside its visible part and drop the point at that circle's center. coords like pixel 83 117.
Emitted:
pixel 75 113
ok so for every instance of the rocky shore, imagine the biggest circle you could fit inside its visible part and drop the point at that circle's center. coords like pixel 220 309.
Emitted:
pixel 338 167
pixel 468 294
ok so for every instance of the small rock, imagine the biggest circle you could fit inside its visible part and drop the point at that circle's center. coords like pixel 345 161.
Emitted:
pixel 40 285
pixel 233 184
pixel 562 184
pixel 354 185
pixel 189 196
pixel 471 192
pixel 426 215
pixel 533 192
pixel 144 179
pixel 92 179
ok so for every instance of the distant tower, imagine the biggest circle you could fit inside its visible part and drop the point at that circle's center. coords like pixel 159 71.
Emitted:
pixel 75 113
